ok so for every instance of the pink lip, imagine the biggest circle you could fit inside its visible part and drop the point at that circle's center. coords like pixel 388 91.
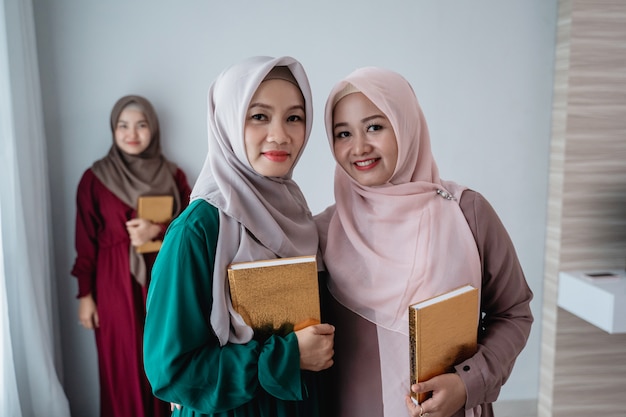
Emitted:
pixel 370 163
pixel 276 156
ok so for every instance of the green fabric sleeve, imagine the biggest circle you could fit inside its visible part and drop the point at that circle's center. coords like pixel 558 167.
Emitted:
pixel 279 357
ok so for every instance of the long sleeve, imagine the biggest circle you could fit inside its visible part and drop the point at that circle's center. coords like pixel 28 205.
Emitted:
pixel 505 305
pixel 183 359
pixel 88 222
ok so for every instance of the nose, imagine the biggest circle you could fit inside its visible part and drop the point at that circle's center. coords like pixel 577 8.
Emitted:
pixel 278 133
pixel 361 145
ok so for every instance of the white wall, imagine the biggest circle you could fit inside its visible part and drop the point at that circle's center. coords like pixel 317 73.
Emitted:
pixel 482 71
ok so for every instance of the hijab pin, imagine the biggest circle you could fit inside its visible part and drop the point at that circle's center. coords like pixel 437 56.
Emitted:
pixel 446 194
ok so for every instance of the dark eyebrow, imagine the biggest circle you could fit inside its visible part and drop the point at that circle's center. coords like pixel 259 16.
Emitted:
pixel 297 107
pixel 376 116
pixel 365 120
pixel 144 120
pixel 267 106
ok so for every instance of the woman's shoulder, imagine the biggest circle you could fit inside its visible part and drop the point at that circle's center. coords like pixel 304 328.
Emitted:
pixel 179 173
pixel 482 218
pixel 88 175
pixel 199 215
pixel 475 205
pixel 196 226
pixel 89 182
pixel 323 217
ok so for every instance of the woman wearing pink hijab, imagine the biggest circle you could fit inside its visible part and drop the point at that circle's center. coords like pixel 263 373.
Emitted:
pixel 399 234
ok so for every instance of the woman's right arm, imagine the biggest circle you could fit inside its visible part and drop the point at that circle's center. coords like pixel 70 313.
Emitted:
pixel 86 243
pixel 85 237
pixel 88 312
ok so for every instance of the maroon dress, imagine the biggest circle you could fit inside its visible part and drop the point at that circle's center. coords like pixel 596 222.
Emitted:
pixel 102 269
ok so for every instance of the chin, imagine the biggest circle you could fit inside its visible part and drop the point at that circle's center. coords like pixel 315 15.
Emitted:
pixel 368 182
pixel 272 171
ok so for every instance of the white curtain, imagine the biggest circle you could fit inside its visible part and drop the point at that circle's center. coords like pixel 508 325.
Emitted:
pixel 29 381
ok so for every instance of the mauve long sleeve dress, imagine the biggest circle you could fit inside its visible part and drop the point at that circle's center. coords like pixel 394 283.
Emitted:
pixel 504 328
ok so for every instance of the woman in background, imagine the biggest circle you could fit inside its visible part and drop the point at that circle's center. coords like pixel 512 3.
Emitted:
pixel 399 234
pixel 112 277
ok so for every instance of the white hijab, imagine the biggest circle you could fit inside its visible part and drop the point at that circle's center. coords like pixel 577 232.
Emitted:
pixel 260 217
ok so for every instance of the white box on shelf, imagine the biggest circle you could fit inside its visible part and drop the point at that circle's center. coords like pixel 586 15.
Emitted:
pixel 598 297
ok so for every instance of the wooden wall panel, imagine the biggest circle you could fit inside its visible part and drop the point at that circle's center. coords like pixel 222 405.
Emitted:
pixel 583 368
pixel 555 204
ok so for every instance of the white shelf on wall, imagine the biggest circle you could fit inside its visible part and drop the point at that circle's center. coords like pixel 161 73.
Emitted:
pixel 599 300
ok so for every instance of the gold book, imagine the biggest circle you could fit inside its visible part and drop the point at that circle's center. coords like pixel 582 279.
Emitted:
pixel 158 209
pixel 274 293
pixel 443 331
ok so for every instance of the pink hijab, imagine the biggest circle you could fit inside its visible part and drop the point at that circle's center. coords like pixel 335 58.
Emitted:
pixel 392 245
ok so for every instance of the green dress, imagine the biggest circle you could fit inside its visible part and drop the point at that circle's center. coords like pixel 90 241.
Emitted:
pixel 183 359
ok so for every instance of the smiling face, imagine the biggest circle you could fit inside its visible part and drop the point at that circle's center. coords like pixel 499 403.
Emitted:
pixel 132 131
pixel 275 127
pixel 364 141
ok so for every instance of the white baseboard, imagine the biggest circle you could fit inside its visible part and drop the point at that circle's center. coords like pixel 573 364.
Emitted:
pixel 515 408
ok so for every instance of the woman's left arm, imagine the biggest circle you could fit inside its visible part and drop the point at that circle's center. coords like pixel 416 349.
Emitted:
pixel 505 305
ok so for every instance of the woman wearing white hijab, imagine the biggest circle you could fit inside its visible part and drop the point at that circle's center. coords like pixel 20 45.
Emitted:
pixel 245 206
pixel 399 234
